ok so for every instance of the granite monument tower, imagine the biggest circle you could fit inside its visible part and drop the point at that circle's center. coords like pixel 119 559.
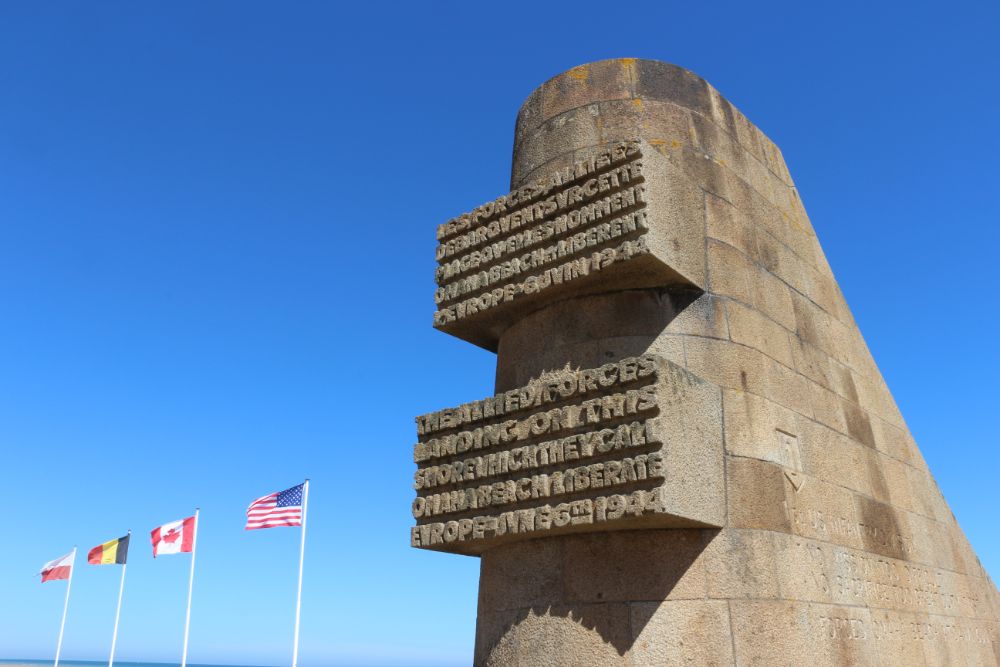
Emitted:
pixel 691 456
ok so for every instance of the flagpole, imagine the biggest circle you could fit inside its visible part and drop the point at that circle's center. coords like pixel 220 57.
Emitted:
pixel 62 626
pixel 187 617
pixel 302 555
pixel 118 612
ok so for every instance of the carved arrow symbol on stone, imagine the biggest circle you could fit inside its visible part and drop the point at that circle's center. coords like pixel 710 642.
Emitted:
pixel 796 480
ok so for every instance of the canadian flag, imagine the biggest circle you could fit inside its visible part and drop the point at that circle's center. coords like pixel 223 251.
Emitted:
pixel 60 568
pixel 174 537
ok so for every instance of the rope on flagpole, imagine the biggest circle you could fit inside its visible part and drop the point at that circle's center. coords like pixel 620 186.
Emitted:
pixel 62 625
pixel 187 617
pixel 302 554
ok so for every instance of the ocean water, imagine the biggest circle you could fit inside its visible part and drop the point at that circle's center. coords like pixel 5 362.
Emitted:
pixel 126 663
pixel 90 663
pixel 6 662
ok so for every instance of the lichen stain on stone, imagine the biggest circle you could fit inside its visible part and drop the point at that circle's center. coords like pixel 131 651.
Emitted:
pixel 628 66
pixel 580 72
pixel 637 103
pixel 659 145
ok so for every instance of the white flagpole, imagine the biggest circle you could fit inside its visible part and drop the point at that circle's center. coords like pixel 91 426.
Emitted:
pixel 62 626
pixel 187 618
pixel 302 554
pixel 118 611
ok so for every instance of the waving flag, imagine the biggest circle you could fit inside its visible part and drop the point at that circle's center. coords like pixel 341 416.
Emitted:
pixel 57 569
pixel 174 537
pixel 283 508
pixel 114 552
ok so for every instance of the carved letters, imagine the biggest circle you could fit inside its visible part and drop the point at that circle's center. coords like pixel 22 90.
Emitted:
pixel 573 448
pixel 574 223
pixel 519 462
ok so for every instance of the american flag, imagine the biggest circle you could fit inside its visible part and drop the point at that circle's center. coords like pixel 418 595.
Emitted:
pixel 283 508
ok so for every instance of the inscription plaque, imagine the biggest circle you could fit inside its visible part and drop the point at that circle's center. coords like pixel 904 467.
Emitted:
pixel 573 450
pixel 597 224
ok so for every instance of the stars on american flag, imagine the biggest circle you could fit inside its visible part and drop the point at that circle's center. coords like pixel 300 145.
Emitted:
pixel 283 508
pixel 290 497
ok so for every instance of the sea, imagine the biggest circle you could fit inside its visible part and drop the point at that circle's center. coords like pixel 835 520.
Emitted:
pixel 125 663
pixel 91 663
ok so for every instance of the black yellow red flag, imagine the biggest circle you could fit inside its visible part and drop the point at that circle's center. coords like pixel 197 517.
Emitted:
pixel 110 553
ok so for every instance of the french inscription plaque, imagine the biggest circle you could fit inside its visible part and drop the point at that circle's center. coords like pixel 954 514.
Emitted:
pixel 597 224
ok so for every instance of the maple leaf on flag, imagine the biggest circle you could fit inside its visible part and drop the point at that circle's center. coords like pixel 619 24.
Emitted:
pixel 174 537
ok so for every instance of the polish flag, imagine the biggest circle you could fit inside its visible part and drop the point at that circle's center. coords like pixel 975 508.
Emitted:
pixel 174 537
pixel 57 569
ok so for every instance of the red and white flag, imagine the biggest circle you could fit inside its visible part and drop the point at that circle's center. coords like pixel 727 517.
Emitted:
pixel 174 537
pixel 57 569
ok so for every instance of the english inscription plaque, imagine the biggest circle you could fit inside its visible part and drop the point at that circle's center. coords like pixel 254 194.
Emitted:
pixel 573 450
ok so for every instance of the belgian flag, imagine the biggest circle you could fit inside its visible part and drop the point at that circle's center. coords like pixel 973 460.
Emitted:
pixel 114 552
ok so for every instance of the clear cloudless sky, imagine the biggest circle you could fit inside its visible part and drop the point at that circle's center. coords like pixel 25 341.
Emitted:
pixel 216 275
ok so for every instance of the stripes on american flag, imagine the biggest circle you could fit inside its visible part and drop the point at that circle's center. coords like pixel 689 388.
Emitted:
pixel 283 508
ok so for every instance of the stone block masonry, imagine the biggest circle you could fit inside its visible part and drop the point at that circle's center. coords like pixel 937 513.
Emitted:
pixel 690 456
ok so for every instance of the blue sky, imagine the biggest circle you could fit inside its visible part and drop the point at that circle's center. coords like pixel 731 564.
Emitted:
pixel 216 276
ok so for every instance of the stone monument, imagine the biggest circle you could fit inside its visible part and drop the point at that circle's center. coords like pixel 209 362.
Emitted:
pixel 690 457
